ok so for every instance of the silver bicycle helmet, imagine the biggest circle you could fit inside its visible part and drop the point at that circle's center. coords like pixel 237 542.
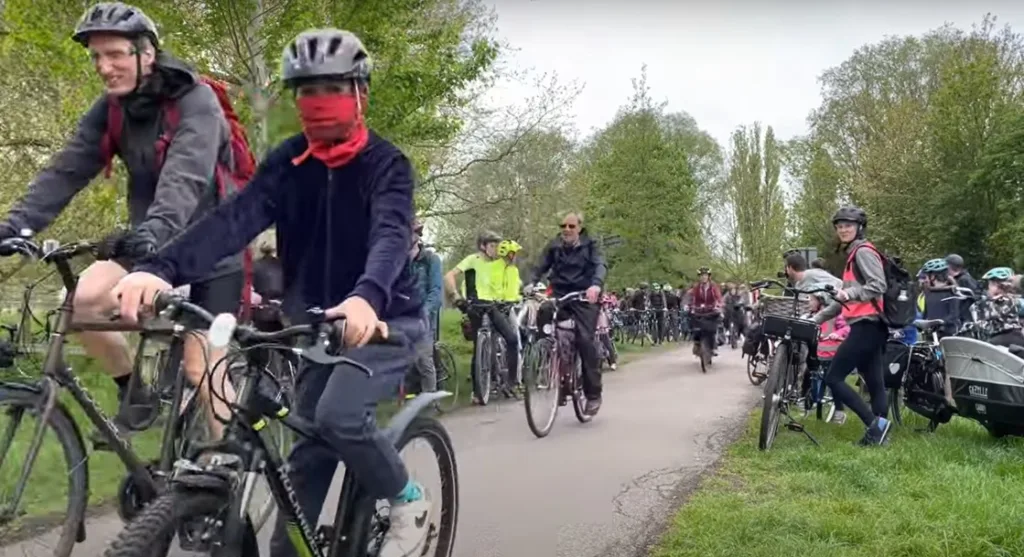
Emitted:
pixel 325 53
pixel 115 18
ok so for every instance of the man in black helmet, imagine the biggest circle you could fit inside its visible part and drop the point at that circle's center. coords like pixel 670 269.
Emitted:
pixel 341 199
pixel 864 285
pixel 162 200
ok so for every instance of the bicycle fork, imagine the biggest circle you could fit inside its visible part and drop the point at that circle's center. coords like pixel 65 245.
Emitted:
pixel 44 409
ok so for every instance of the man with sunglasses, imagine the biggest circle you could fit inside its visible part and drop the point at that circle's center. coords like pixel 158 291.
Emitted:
pixel 574 262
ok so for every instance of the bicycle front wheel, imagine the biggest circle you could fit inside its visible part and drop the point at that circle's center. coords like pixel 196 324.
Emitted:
pixel 151 533
pixel 542 389
pixel 483 358
pixel 60 459
pixel 773 393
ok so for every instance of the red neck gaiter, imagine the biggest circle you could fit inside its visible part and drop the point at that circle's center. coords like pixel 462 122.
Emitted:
pixel 334 128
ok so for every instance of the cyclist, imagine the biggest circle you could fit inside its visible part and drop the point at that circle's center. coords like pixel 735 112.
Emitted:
pixel 704 297
pixel 356 266
pixel 426 266
pixel 575 262
pixel 125 49
pixel 658 305
pixel 937 297
pixel 804 278
pixel 863 286
pixel 484 277
pixel 733 309
pixel 672 303
pixel 1004 309
pixel 511 291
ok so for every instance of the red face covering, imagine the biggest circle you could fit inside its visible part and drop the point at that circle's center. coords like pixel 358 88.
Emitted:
pixel 334 128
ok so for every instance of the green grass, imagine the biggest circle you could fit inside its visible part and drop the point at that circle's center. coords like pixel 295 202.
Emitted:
pixel 47 490
pixel 956 492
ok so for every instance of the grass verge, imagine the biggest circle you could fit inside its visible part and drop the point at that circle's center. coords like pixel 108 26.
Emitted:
pixel 951 493
pixel 47 488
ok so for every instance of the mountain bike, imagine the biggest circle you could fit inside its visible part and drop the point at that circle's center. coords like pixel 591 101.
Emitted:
pixel 215 480
pixel 794 336
pixel 40 400
pixel 555 370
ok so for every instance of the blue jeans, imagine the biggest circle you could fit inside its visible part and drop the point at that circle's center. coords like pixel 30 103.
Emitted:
pixel 342 404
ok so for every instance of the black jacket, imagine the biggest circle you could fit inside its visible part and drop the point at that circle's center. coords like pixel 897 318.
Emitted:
pixel 572 268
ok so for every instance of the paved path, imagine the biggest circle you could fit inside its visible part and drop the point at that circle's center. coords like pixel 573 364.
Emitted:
pixel 604 489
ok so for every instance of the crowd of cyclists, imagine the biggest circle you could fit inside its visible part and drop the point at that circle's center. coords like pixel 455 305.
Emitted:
pixel 340 198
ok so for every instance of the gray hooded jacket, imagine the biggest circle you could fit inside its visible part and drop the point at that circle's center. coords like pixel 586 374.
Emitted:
pixel 869 266
pixel 161 201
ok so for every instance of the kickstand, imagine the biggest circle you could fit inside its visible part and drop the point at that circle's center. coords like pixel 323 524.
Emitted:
pixel 794 425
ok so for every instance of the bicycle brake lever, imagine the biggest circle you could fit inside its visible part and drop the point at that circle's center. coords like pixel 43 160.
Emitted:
pixel 318 354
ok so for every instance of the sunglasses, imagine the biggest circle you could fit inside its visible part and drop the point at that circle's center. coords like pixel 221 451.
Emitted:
pixel 563 226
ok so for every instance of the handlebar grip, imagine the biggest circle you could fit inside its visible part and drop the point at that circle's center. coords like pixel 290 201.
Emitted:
pixel 165 299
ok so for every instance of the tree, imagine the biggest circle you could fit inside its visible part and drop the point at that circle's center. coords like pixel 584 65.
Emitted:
pixel 640 187
pixel 753 196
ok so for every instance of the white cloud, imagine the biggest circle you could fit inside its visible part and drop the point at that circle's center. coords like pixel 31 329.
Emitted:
pixel 727 63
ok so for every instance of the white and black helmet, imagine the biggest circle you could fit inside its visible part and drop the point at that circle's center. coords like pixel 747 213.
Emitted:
pixel 324 53
pixel 115 18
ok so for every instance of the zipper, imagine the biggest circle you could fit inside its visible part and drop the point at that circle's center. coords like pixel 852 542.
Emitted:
pixel 327 243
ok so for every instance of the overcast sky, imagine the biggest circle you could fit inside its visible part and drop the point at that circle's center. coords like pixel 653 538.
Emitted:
pixel 726 62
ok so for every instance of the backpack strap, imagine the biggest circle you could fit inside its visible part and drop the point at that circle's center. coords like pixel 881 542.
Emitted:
pixel 112 136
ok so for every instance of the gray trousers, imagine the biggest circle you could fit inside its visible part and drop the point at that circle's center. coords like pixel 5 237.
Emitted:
pixel 425 364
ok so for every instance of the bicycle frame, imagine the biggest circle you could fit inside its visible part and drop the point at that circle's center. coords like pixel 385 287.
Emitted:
pixel 55 374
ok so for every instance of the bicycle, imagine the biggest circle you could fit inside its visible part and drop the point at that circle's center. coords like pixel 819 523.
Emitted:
pixel 794 336
pixel 39 399
pixel 705 319
pixel 555 365
pixel 209 487
pixel 922 379
pixel 491 371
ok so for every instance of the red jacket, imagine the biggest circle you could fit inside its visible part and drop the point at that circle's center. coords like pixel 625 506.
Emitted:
pixel 706 295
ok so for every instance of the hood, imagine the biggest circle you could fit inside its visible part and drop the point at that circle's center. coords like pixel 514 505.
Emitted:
pixel 171 79
pixel 854 245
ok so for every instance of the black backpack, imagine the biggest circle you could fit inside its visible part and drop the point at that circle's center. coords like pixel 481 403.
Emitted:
pixel 899 300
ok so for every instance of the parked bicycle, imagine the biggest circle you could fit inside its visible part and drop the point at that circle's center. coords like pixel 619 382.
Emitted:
pixel 794 336
pixel 554 372
pixel 208 486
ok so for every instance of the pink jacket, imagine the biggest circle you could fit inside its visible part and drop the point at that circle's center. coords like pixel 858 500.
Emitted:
pixel 827 348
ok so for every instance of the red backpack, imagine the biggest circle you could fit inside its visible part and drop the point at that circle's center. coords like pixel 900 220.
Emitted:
pixel 228 181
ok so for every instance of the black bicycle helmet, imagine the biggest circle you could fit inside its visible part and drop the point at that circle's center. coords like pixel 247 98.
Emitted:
pixel 487 237
pixel 851 213
pixel 324 53
pixel 115 18
pixel 704 271
pixel 954 260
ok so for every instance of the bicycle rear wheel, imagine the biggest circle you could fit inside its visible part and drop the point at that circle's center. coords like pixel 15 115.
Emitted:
pixel 542 390
pixel 61 455
pixel 771 410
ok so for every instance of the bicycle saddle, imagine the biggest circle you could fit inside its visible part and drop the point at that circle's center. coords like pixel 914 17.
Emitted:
pixel 928 325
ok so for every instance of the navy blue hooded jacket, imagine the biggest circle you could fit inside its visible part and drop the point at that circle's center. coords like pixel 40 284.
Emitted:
pixel 340 232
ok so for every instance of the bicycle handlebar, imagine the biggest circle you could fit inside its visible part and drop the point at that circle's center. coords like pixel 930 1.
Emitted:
pixel 223 328
pixel 50 251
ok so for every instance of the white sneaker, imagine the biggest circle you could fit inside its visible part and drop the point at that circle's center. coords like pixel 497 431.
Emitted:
pixel 839 418
pixel 410 524
pixel 614 367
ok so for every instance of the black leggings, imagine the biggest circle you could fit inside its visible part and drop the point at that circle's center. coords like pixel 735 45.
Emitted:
pixel 862 350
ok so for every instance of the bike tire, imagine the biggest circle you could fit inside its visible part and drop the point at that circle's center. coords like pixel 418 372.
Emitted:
pixel 483 356
pixel 539 361
pixel 895 396
pixel 69 438
pixel 771 410
pixel 152 532
pixel 447 374
pixel 579 401
pixel 705 355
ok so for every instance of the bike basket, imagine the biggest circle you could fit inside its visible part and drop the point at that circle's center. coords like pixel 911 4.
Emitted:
pixel 781 306
pixel 802 330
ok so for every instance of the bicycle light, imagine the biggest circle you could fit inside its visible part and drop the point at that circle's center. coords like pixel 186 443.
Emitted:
pixel 221 330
